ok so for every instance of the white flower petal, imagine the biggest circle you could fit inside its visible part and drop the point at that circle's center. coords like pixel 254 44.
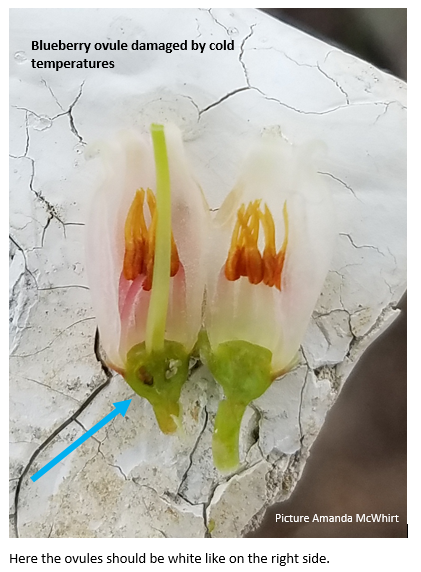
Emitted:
pixel 120 305
pixel 190 226
pixel 105 233
pixel 275 172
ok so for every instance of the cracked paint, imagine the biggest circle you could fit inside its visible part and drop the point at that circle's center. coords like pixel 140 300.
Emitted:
pixel 130 480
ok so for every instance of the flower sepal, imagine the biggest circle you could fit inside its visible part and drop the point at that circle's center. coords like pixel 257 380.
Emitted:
pixel 159 377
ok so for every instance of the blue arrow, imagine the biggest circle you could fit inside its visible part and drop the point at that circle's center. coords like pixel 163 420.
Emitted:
pixel 120 407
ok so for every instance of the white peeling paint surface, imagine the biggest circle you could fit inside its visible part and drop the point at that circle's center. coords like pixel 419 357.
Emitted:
pixel 129 480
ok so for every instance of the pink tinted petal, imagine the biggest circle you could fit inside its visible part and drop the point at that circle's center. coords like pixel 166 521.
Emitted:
pixel 190 225
pixel 177 315
pixel 124 287
pixel 133 316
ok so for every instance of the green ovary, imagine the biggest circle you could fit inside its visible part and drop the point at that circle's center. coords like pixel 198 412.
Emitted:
pixel 244 372
pixel 159 377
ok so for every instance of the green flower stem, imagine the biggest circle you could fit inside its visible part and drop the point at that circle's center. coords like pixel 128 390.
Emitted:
pixel 225 442
pixel 158 304
pixel 244 372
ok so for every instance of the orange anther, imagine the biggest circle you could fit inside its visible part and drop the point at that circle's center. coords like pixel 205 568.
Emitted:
pixel 175 260
pixel 140 241
pixel 254 265
pixel 244 257
pixel 134 234
pixel 233 265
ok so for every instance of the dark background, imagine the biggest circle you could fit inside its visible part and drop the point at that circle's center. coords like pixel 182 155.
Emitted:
pixel 358 463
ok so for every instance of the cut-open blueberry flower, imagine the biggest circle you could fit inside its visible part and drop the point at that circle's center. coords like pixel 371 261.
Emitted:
pixel 145 242
pixel 270 252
